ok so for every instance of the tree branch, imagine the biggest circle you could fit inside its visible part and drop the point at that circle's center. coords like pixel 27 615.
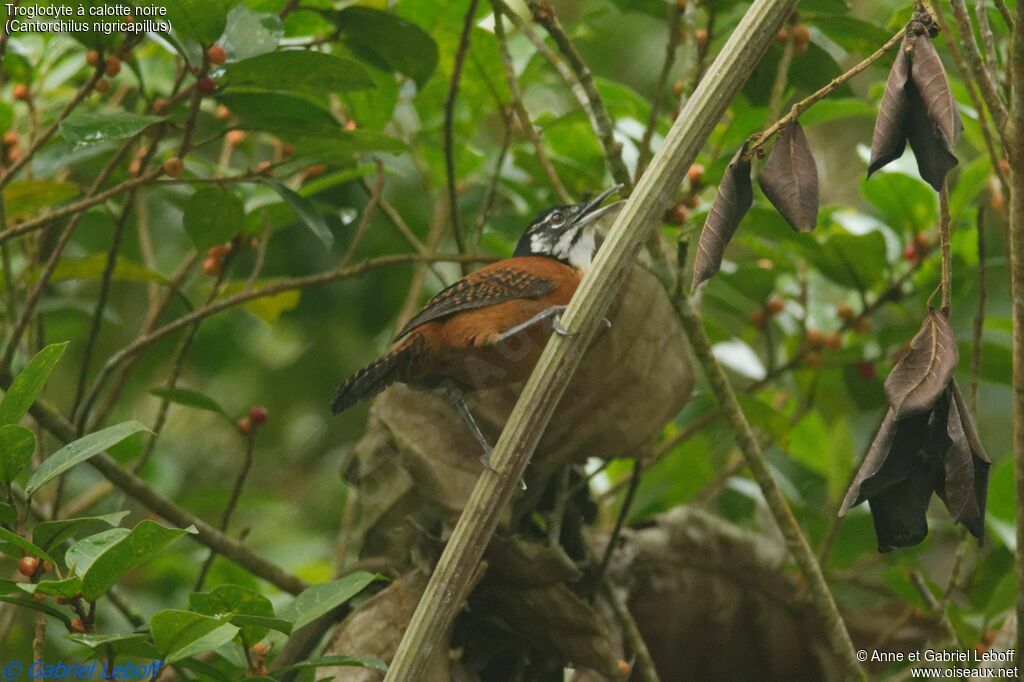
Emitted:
pixel 449 122
pixel 450 582
pixel 989 91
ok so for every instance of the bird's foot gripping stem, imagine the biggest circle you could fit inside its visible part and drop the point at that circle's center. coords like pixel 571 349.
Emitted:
pixel 458 401
pixel 554 312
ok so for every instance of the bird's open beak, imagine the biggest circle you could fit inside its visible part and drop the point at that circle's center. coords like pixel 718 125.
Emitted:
pixel 593 211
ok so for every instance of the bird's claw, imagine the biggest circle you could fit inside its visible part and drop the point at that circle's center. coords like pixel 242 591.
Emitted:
pixel 559 328
pixel 485 460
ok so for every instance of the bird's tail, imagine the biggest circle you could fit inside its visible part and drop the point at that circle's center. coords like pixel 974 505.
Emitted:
pixel 397 365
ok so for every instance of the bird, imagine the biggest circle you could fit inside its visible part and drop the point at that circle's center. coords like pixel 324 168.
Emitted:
pixel 489 328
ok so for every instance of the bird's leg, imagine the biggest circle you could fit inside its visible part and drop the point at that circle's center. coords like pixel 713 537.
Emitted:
pixel 458 400
pixel 554 311
pixel 556 324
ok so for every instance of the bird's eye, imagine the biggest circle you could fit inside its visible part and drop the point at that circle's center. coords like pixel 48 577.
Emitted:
pixel 557 218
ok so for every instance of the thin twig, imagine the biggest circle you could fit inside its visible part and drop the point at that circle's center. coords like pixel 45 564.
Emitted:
pixel 946 248
pixel 972 92
pixel 364 219
pixel 40 140
pixel 449 123
pixel 620 520
pixel 524 117
pixel 759 140
pixel 631 633
pixel 491 192
pixel 988 41
pixel 979 315
pixel 51 264
pixel 673 24
pixel 1006 14
pixel 989 91
pixel 544 14
pixel 229 510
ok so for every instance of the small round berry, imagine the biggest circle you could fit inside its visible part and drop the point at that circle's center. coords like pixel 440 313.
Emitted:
pixel 221 113
pixel 112 66
pixel 845 311
pixel 263 168
pixel 28 565
pixel 350 124
pixel 801 34
pixel 174 166
pixel 216 54
pixel 316 170
pixel 288 149
pixel 11 138
pixel 815 338
pixel 910 252
pixel 681 4
pixel 20 91
pixel 814 359
pixel 692 201
pixel 212 266
pixel 77 625
pixel 258 415
pixel 244 425
pixel 759 317
pixel 775 305
pixel 134 167
pixel 624 668
pixel 701 34
pixel 103 86
pixel 922 240
pixel 677 215
pixel 60 600
pixel 206 85
pixel 161 105
pixel 867 370
pixel 862 325
pixel 765 263
pixel 996 200
pixel 92 58
pixel 782 36
pixel 695 174
pixel 235 137
pixel 833 341
pixel 259 649
pixel 220 251
pixel 677 88
pixel 40 598
pixel 14 154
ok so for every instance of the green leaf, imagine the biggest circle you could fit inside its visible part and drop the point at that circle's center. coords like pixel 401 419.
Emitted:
pixel 24 545
pixel 316 600
pixel 299 71
pixel 85 129
pixel 102 559
pixel 332 661
pixel 212 216
pixel 383 38
pixel 188 398
pixel 8 514
pixel 79 451
pixel 29 383
pixel 289 115
pixel 343 145
pixel 180 634
pixel 203 20
pixel 93 267
pixel 970 183
pixel 17 444
pixel 907 204
pixel 32 604
pixel 836 109
pixel 266 308
pixel 134 644
pixel 48 534
pixel 24 197
pixel 250 33
pixel 66 588
pixel 247 608
pixel 856 260
pixel 304 208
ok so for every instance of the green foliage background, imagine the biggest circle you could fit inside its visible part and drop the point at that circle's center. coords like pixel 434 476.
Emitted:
pixel 388 81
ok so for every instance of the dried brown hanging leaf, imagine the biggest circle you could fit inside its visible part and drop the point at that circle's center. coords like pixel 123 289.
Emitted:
pixel 957 486
pixel 919 378
pixel 889 140
pixel 790 179
pixel 733 200
pixel 930 80
pixel 979 461
pixel 918 107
